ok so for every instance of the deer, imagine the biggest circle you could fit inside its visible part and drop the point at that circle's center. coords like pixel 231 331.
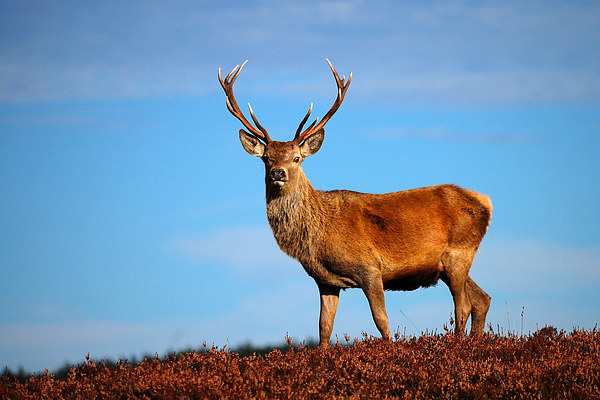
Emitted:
pixel 344 239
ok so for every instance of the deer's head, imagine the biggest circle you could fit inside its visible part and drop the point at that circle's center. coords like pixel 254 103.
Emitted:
pixel 282 159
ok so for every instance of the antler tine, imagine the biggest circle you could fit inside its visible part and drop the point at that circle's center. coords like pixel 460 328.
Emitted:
pixel 335 74
pixel 304 122
pixel 234 109
pixel 341 92
pixel 255 120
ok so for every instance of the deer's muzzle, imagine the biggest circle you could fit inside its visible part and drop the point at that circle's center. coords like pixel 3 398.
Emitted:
pixel 278 176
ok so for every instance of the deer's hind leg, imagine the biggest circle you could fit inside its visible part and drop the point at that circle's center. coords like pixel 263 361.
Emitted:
pixel 480 304
pixel 456 264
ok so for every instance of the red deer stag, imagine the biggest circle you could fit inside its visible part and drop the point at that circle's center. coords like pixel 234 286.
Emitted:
pixel 343 239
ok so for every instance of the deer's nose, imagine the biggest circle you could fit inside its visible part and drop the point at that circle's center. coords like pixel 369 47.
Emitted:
pixel 278 174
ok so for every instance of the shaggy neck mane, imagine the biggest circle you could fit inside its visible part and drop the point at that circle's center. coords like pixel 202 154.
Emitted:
pixel 295 219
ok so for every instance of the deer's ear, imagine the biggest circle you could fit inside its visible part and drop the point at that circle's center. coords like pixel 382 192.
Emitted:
pixel 313 143
pixel 252 145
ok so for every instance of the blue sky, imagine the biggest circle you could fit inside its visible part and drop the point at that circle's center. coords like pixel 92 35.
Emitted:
pixel 132 221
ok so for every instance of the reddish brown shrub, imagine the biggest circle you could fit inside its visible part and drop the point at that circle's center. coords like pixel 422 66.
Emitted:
pixel 547 364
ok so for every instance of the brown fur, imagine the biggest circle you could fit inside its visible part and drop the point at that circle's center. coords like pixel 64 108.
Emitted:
pixel 396 241
pixel 343 239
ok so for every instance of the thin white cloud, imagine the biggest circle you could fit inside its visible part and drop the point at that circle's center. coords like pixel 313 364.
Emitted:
pixel 492 87
pixel 247 249
pixel 443 134
pixel 47 346
pixel 535 267
pixel 263 318
pixel 428 53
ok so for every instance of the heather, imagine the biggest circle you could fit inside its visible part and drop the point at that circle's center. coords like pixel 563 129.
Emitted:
pixel 544 365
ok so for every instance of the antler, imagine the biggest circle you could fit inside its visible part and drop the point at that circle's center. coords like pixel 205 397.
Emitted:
pixel 234 109
pixel 315 127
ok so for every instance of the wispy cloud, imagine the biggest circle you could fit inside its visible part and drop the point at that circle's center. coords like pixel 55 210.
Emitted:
pixel 444 134
pixel 490 87
pixel 41 346
pixel 261 318
pixel 534 266
pixel 246 249
pixel 459 53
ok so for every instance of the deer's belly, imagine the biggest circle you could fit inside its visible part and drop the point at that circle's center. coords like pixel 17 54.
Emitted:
pixel 411 277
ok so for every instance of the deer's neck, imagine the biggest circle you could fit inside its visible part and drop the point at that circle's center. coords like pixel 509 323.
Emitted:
pixel 296 219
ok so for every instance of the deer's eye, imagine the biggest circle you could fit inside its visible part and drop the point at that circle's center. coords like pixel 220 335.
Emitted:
pixel 297 159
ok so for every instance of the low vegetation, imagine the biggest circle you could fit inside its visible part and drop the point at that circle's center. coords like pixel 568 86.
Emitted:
pixel 545 365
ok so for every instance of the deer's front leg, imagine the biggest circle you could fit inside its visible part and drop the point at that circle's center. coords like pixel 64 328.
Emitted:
pixel 329 301
pixel 372 286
